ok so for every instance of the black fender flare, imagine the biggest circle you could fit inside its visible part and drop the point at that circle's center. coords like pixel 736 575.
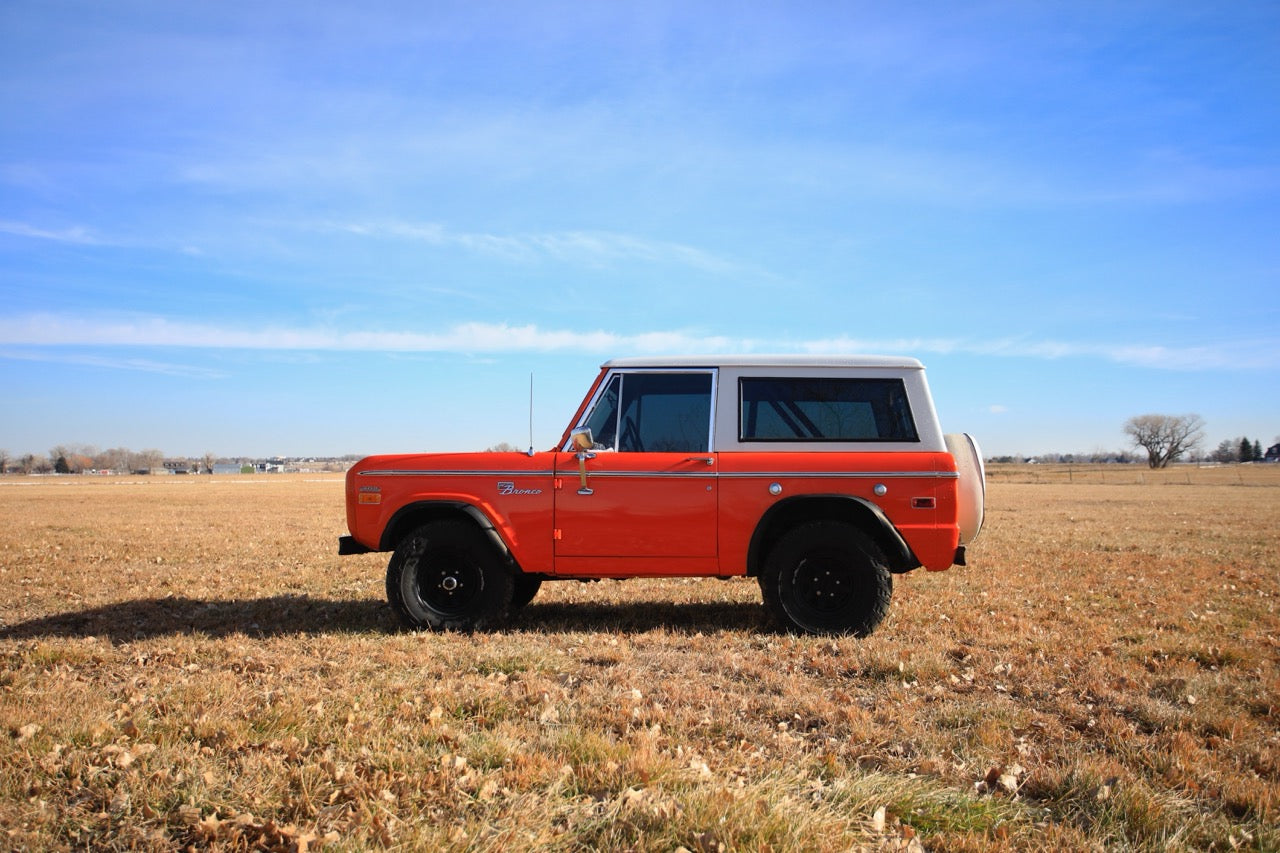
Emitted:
pixel 418 512
pixel 860 512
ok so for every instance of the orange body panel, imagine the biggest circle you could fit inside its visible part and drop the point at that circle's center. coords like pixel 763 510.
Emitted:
pixel 652 514
pixel 514 491
pixel 640 505
pixel 930 531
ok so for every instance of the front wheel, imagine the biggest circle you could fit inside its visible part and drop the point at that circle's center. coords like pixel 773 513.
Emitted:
pixel 446 576
pixel 526 587
pixel 827 577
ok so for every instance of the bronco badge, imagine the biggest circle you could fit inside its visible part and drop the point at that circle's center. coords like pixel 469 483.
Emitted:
pixel 506 487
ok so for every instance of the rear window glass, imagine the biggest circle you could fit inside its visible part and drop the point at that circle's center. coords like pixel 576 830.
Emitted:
pixel 806 409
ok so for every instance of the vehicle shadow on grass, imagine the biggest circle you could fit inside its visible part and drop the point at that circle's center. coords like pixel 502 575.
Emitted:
pixel 638 617
pixel 146 618
pixel 282 615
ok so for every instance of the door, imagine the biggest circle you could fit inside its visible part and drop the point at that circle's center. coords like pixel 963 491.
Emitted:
pixel 648 487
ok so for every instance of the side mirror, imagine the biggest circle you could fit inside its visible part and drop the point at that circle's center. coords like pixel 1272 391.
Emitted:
pixel 581 438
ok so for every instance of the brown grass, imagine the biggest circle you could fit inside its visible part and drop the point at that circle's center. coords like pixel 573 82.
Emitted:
pixel 186 661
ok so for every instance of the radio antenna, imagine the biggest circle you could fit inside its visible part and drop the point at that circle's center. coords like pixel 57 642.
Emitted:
pixel 531 413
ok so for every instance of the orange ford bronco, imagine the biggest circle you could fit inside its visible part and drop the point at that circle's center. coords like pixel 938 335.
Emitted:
pixel 821 477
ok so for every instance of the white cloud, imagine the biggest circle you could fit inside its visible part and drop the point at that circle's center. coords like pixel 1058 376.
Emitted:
pixel 78 235
pixel 587 248
pixel 48 330
pixel 52 330
pixel 144 365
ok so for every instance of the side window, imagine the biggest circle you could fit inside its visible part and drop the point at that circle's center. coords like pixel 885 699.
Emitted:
pixel 604 417
pixel 653 412
pixel 668 412
pixel 799 409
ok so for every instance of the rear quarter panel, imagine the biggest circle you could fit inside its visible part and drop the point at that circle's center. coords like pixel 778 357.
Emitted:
pixel 919 498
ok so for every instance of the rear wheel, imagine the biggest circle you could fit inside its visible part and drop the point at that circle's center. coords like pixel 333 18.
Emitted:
pixel 446 576
pixel 827 577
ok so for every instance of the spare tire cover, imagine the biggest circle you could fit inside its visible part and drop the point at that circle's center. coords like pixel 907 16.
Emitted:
pixel 971 491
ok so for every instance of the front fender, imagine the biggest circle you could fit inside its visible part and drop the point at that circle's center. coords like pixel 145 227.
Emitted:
pixel 421 510
pixel 504 532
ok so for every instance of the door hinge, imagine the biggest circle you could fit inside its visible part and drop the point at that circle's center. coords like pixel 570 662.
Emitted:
pixel 557 534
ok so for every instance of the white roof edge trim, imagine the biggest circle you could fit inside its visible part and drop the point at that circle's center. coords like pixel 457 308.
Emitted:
pixel 705 361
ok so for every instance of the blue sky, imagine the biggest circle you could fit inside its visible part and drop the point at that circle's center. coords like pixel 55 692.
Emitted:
pixel 331 228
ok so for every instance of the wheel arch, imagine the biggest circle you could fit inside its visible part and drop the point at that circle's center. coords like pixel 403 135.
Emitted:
pixel 411 516
pixel 849 509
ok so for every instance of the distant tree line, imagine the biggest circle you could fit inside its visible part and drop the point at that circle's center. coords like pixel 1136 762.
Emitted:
pixel 1168 438
pixel 1238 450
pixel 83 458
pixel 1164 439
pixel 79 458
pixel 1096 457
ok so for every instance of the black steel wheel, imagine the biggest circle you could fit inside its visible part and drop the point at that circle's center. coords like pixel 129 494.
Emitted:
pixel 446 575
pixel 827 577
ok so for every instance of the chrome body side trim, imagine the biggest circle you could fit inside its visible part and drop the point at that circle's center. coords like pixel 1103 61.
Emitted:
pixel 736 475
pixel 424 473
pixel 848 475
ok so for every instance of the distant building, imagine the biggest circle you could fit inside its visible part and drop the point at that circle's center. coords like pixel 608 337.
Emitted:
pixel 1272 454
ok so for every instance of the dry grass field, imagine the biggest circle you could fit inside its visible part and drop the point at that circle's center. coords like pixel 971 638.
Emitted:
pixel 185 662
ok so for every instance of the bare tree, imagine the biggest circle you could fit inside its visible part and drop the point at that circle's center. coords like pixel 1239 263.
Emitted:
pixel 115 459
pixel 4 460
pixel 146 461
pixel 1166 438
pixel 1225 452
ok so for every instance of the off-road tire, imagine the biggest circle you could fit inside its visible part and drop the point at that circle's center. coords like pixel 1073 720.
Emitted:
pixel 447 576
pixel 827 577
pixel 526 587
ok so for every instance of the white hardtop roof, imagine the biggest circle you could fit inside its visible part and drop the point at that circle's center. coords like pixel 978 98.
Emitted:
pixel 670 361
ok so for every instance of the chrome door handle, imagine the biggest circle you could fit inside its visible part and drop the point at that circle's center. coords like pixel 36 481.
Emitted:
pixel 710 460
pixel 583 456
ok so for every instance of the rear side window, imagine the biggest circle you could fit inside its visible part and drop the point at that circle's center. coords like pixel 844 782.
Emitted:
pixel 807 409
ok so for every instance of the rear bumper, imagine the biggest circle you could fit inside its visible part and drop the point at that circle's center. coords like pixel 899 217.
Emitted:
pixel 348 545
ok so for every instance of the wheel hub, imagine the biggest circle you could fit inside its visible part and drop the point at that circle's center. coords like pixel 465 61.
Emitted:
pixel 448 581
pixel 823 584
